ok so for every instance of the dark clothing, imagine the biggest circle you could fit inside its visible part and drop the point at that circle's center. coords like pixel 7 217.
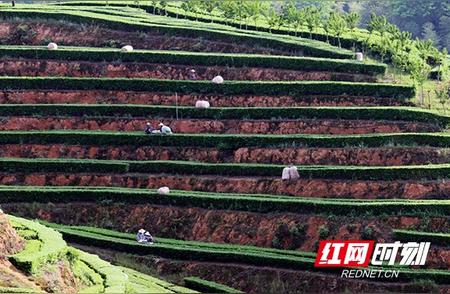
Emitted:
pixel 192 75
pixel 149 129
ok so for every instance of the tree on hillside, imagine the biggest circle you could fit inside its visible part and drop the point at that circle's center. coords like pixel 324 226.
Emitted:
pixel 312 19
pixel 442 92
pixel 444 26
pixel 337 25
pixel 298 20
pixel 292 16
pixel 240 12
pixel 154 3
pixel 324 7
pixel 191 6
pixel 428 33
pixel 272 18
pixel 399 59
pixel 441 62
pixel 209 6
pixel 420 71
pixel 405 38
pixel 352 20
pixel 228 9
pixel 378 24
pixel 411 15
pixel 254 9
pixel 425 48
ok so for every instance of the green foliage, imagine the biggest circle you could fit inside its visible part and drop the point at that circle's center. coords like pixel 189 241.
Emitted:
pixel 227 88
pixel 65 165
pixel 260 203
pixel 195 58
pixel 205 286
pixel 375 113
pixel 230 141
pixel 48 248
pixel 368 233
pixel 312 19
pixel 308 47
pixel 273 19
pixel 352 19
pixel 293 21
pixel 225 169
pixel 209 252
pixel 281 232
pixel 430 34
pixel 253 10
pixel 377 24
pixel 420 71
pixel 114 280
pixel 324 232
pixel 190 6
pixel 141 283
pixel 437 239
pixel 442 92
pixel 337 25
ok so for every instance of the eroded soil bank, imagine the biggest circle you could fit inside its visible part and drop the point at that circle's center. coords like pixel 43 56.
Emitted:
pixel 203 126
pixel 325 188
pixel 386 156
pixel 25 67
pixel 286 231
pixel 152 98
pixel 32 32
pixel 10 242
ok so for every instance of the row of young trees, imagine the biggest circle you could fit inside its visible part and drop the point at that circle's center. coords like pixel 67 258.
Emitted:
pixel 414 56
pixel 286 15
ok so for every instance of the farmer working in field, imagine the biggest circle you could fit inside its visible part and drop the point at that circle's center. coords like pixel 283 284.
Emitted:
pixel 165 130
pixel 192 75
pixel 144 237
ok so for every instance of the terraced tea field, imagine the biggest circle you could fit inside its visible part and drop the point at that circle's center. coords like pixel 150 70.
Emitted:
pixel 73 152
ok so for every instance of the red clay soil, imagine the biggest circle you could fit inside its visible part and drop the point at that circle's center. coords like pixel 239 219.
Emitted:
pixel 197 126
pixel 151 98
pixel 322 188
pixel 57 277
pixel 386 156
pixel 165 71
pixel 31 32
pixel 10 242
pixel 287 231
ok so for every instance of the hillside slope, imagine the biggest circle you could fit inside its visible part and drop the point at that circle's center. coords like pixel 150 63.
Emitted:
pixel 73 151
pixel 41 261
